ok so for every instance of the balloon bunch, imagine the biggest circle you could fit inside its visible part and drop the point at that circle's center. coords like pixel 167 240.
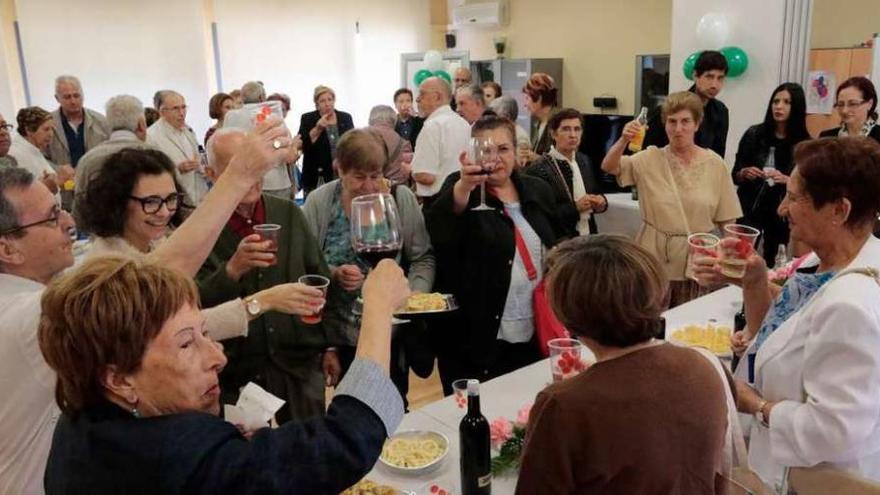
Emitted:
pixel 434 67
pixel 713 30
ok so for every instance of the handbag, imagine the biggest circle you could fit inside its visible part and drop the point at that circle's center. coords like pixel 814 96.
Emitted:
pixel 547 326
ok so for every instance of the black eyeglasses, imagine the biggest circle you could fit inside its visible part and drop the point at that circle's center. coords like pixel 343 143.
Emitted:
pixel 6 127
pixel 53 222
pixel 152 204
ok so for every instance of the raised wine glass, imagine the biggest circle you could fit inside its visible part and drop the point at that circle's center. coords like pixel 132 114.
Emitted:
pixel 483 152
pixel 375 228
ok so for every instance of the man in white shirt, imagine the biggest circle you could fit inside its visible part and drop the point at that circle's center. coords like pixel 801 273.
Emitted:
pixel 444 136
pixel 277 181
pixel 172 136
pixel 35 246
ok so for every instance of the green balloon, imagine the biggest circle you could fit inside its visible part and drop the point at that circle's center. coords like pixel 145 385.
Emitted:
pixel 421 76
pixel 737 60
pixel 689 63
pixel 442 74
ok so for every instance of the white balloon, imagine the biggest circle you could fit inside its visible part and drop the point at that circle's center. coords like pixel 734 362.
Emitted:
pixel 433 60
pixel 713 31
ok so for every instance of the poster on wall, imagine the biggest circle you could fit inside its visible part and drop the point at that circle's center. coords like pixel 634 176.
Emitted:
pixel 820 92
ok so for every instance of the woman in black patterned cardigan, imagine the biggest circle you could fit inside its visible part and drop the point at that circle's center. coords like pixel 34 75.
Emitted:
pixel 570 174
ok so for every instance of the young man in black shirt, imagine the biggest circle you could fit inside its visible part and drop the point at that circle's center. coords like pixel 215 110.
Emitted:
pixel 710 71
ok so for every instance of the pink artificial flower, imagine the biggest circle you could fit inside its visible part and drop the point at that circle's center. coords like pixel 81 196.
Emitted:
pixel 522 416
pixel 500 431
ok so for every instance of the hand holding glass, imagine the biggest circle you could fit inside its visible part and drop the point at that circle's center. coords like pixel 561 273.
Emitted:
pixel 269 232
pixel 484 153
pixel 318 282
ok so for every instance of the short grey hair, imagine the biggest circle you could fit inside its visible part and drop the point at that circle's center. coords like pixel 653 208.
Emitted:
pixel 472 91
pixel 383 115
pixel 124 112
pixel 506 107
pixel 11 178
pixel 210 145
pixel 67 79
pixel 159 97
pixel 253 92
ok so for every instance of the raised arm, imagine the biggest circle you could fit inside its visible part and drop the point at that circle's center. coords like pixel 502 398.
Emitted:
pixel 611 162
pixel 191 243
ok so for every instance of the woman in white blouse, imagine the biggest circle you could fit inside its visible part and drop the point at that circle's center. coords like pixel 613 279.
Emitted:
pixel 811 375
pixel 34 136
pixel 130 207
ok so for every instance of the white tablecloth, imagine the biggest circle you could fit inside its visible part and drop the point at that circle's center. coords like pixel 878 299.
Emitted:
pixel 622 216
pixel 505 395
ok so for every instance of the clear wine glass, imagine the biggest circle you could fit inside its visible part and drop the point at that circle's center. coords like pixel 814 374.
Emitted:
pixel 375 228
pixel 484 153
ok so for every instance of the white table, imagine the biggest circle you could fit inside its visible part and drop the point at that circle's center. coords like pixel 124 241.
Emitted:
pixel 505 395
pixel 622 216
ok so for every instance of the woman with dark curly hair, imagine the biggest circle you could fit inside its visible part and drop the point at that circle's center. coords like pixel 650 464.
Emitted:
pixel 135 203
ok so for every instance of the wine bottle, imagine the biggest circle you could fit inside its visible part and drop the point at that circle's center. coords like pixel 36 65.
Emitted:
pixel 473 433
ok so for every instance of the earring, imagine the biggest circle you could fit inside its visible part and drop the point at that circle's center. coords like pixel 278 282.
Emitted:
pixel 134 411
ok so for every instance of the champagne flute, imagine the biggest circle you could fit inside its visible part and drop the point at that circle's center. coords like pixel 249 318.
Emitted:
pixel 483 152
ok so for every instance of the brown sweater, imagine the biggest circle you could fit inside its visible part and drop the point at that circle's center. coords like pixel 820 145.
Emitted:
pixel 649 422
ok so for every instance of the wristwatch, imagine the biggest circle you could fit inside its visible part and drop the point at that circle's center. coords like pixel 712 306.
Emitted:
pixel 761 415
pixel 253 307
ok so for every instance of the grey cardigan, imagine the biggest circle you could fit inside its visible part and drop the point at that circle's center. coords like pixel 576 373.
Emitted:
pixel 416 251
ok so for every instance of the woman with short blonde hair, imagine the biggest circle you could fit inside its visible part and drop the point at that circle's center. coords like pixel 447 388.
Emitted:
pixel 683 189
pixel 321 131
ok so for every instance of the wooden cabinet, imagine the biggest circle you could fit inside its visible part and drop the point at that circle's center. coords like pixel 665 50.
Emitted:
pixel 843 63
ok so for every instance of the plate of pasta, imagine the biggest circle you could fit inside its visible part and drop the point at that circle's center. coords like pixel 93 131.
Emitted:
pixel 421 303
pixel 414 452
pixel 369 487
pixel 711 336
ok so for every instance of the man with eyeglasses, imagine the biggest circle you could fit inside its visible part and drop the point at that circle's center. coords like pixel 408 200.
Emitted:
pixel 5 143
pixel 77 129
pixel 36 246
pixel 172 136
pixel 444 136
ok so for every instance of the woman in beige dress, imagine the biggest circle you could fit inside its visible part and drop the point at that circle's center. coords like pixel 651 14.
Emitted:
pixel 683 189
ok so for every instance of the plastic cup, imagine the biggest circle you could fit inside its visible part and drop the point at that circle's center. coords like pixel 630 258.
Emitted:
pixel 700 247
pixel 568 357
pixel 735 255
pixel 459 391
pixel 269 232
pixel 318 282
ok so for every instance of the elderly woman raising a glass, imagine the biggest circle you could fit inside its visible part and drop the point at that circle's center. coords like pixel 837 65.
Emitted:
pixel 138 388
pixel 683 189
pixel 811 374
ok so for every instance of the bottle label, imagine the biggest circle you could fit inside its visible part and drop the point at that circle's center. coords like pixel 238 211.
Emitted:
pixel 484 481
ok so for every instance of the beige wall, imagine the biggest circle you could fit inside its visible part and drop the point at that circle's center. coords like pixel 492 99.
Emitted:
pixel 597 40
pixel 844 23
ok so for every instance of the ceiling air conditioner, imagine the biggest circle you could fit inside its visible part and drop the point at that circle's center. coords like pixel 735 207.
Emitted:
pixel 483 14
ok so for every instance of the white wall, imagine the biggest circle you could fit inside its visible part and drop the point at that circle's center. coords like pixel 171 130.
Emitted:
pixel 117 46
pixel 757 27
pixel 7 105
pixel 292 49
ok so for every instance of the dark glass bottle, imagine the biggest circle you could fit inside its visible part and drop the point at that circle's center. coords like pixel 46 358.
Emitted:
pixel 473 433
pixel 739 323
